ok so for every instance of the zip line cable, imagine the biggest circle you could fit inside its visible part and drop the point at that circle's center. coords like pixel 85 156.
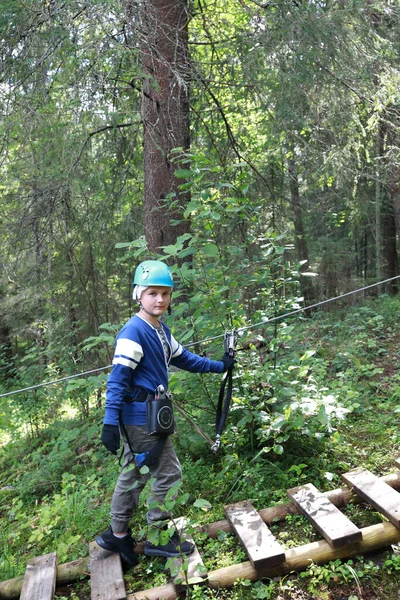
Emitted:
pixel 217 337
pixel 34 387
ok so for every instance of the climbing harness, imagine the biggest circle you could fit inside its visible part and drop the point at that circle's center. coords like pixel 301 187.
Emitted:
pixel 230 341
pixel 142 458
pixel 160 422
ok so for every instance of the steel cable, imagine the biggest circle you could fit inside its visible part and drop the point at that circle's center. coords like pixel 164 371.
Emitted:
pixel 210 339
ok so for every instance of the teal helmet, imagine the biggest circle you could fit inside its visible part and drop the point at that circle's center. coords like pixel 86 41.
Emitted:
pixel 153 272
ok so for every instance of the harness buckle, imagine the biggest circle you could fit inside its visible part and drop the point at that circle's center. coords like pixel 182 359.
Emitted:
pixel 230 341
pixel 216 445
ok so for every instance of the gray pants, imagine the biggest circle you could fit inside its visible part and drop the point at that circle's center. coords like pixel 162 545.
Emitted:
pixel 166 471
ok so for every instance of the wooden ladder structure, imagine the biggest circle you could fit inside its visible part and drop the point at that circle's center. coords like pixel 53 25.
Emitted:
pixel 266 557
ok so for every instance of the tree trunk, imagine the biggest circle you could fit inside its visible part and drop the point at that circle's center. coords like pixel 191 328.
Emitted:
pixel 378 202
pixel 389 253
pixel 300 240
pixel 165 114
pixel 394 192
pixel 6 353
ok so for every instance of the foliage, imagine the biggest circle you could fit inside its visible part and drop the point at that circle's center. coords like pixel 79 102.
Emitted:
pixel 56 487
pixel 294 126
pixel 292 176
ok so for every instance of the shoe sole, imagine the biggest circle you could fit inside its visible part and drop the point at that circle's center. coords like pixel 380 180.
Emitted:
pixel 100 542
pixel 155 552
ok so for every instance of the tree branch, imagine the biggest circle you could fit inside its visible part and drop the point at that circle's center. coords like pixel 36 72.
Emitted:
pixel 100 130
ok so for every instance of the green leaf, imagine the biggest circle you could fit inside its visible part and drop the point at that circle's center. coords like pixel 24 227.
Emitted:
pixel 184 173
pixel 322 416
pixel 308 354
pixel 211 249
pixel 203 504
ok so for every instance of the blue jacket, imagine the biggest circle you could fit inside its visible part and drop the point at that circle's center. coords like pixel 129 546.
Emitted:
pixel 139 362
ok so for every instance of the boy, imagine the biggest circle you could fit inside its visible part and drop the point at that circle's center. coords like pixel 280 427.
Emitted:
pixel 144 349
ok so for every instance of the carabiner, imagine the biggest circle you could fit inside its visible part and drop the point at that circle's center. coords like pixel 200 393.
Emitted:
pixel 230 341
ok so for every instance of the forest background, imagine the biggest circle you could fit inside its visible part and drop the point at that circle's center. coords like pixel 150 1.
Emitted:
pixel 252 145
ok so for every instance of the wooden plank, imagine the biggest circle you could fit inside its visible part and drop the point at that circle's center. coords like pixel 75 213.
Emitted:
pixel 376 492
pixel 397 461
pixel 106 577
pixel 40 578
pixel 333 525
pixel 298 559
pixel 196 571
pixel 258 541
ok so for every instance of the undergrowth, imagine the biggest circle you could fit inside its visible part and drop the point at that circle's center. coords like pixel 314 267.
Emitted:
pixel 324 402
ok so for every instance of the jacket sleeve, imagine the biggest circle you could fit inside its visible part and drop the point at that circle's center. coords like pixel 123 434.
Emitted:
pixel 183 359
pixel 127 356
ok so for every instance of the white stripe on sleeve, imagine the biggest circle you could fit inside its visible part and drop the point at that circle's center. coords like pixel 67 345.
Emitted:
pixel 127 353
pixel 176 347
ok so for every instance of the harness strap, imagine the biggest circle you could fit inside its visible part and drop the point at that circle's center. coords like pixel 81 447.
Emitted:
pixel 230 339
pixel 222 408
pixel 139 395
pixel 143 458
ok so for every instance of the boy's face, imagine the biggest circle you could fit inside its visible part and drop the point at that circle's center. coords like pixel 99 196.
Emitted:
pixel 156 299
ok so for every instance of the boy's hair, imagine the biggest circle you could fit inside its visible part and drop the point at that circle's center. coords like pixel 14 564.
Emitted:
pixel 137 292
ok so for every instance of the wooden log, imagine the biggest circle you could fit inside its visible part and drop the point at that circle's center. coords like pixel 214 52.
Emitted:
pixel 40 578
pixel 69 572
pixel 339 497
pixel 106 577
pixel 298 559
pixel 332 524
pixel 66 573
pixel 376 492
pixel 258 541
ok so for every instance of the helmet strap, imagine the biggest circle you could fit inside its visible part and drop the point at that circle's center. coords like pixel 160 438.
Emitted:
pixel 169 310
pixel 144 310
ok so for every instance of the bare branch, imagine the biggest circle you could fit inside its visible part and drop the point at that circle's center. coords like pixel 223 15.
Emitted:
pixel 100 130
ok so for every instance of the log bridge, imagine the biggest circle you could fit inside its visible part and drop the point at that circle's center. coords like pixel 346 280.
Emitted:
pixel 266 556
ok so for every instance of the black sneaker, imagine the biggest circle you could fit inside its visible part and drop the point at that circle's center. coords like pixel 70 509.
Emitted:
pixel 173 548
pixel 125 547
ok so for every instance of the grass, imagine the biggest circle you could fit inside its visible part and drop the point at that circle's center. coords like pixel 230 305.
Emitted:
pixel 55 489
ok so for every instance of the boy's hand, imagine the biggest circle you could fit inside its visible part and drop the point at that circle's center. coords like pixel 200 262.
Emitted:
pixel 228 361
pixel 111 438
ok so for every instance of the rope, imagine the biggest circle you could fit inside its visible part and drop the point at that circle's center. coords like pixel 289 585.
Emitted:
pixel 217 337
pixel 34 387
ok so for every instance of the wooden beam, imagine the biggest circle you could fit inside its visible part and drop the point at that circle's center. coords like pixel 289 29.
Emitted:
pixel 375 537
pixel 196 571
pixel 339 497
pixel 376 492
pixel 258 541
pixel 106 577
pixel 332 524
pixel 69 572
pixel 40 578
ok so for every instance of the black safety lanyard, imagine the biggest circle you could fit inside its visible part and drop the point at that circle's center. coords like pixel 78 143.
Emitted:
pixel 230 339
pixel 144 458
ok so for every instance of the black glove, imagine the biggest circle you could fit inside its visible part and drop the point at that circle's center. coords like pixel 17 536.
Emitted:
pixel 228 361
pixel 111 438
